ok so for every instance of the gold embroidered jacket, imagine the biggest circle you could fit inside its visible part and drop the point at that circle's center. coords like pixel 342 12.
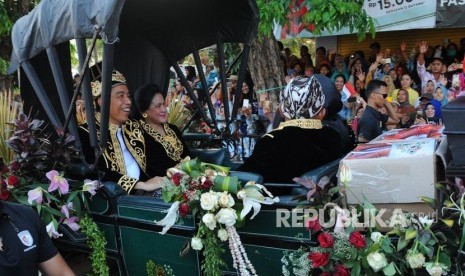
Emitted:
pixel 111 162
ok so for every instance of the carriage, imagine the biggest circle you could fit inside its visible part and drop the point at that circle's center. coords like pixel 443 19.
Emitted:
pixel 143 39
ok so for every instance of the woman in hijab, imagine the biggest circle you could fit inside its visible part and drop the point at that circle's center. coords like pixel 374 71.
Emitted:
pixel 407 110
pixel 440 94
pixel 429 116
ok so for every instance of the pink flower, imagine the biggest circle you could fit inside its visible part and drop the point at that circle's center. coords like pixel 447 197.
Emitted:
pixel 52 231
pixel 90 186
pixel 57 182
pixel 72 223
pixel 35 195
pixel 65 209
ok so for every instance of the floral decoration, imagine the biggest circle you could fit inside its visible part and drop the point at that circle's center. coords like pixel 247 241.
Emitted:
pixel 35 176
pixel 219 203
pixel 434 245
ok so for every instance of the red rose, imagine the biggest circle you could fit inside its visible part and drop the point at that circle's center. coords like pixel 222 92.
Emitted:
pixel 341 270
pixel 326 273
pixel 4 195
pixel 185 197
pixel 326 240
pixel 13 180
pixel 176 179
pixel 313 225
pixel 357 240
pixel 4 168
pixel 193 185
pixel 319 259
pixel 14 166
pixel 207 184
pixel 183 209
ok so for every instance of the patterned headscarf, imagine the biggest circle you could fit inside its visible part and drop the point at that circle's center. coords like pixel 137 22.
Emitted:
pixel 302 98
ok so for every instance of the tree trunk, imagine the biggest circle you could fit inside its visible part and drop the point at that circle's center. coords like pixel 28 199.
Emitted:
pixel 266 68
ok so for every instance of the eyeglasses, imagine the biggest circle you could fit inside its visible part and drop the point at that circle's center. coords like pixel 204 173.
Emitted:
pixel 384 95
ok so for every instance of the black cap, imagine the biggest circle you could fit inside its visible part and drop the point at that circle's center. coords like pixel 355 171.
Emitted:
pixel 427 96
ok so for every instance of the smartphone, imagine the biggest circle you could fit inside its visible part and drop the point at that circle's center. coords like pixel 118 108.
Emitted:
pixel 351 99
pixel 385 60
pixel 419 114
pixel 245 103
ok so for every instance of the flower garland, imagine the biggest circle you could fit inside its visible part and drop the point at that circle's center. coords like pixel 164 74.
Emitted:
pixel 219 202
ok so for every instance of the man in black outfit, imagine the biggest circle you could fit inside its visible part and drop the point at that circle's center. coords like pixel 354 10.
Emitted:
pixel 25 246
pixel 300 143
pixel 369 126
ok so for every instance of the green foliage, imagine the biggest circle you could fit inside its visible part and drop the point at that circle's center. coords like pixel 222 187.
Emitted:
pixel 271 11
pixel 154 269
pixel 96 241
pixel 6 22
pixel 213 264
pixel 331 15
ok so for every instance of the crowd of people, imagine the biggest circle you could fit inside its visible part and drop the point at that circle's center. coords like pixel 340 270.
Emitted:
pixel 417 82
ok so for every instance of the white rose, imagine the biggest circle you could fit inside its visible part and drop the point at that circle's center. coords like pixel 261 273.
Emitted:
pixel 226 200
pixel 223 235
pixel 434 270
pixel 415 260
pixel 226 216
pixel 208 201
pixel 376 236
pixel 377 261
pixel 196 244
pixel 209 220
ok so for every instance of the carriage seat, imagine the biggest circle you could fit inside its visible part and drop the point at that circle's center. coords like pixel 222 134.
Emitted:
pixel 288 191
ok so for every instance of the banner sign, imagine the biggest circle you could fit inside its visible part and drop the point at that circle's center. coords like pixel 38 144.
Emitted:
pixel 388 15
pixel 450 13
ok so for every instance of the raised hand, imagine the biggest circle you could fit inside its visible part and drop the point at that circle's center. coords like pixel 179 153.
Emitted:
pixel 403 46
pixel 442 80
pixel 423 47
pixel 360 74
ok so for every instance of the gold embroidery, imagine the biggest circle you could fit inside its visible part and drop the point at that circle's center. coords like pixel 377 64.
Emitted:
pixel 172 145
pixel 134 139
pixel 127 183
pixel 302 123
pixel 113 153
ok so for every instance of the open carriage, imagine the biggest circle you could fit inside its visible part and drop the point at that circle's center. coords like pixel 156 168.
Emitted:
pixel 143 39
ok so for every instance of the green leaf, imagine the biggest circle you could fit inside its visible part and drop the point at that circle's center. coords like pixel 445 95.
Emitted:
pixel 166 195
pixel 430 201
pixel 334 190
pixel 402 243
pixel 386 246
pixel 356 269
pixel 410 233
pixel 389 270
pixel 444 259
pixel 72 196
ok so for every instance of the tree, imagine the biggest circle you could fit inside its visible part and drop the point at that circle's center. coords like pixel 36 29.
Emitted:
pixel 10 11
pixel 331 15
